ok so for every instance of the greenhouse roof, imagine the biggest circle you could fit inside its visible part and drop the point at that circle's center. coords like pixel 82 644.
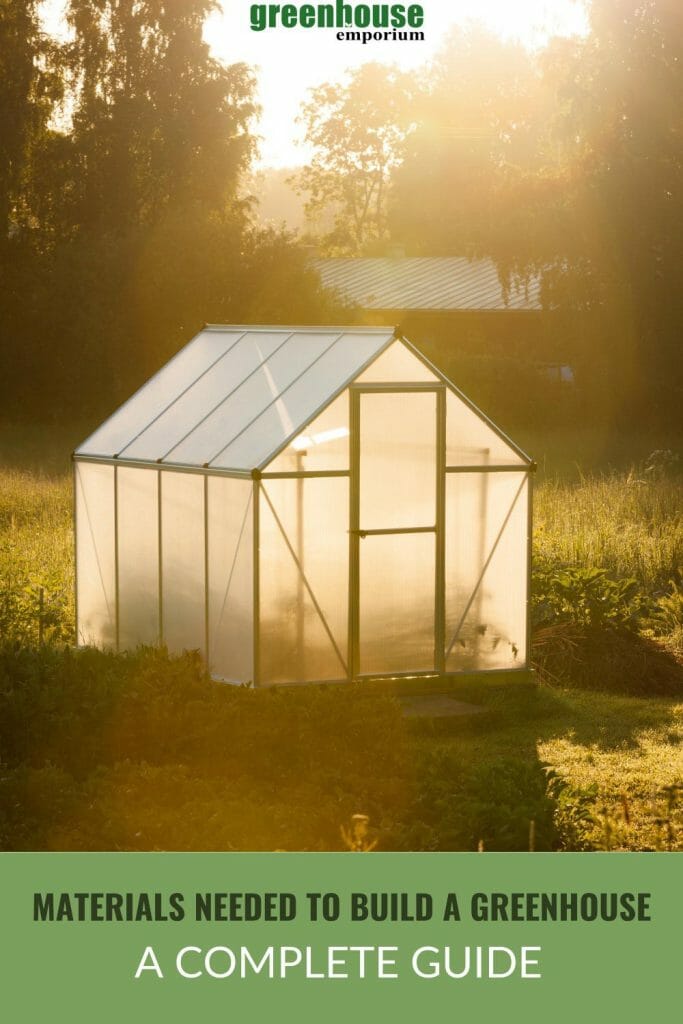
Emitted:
pixel 234 396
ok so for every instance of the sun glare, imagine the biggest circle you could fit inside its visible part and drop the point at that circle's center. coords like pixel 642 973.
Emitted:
pixel 291 61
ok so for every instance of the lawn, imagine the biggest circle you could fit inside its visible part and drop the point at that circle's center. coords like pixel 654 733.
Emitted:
pixel 144 752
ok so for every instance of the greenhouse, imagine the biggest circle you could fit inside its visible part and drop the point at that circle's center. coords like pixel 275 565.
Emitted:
pixel 305 504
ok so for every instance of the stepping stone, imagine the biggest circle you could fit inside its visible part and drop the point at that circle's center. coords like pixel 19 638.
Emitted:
pixel 437 705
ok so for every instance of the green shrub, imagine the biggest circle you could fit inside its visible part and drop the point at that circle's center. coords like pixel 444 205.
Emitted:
pixel 585 597
pixel 667 613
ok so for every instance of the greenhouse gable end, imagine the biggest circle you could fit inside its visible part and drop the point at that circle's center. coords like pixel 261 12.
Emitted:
pixel 305 504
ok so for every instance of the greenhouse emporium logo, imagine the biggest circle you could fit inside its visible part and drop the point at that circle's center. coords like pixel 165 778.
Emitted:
pixel 361 23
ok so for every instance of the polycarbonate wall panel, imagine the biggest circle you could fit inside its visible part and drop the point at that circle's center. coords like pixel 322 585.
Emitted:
pixel 397 603
pixel 486 532
pixel 210 390
pixel 398 456
pixel 248 402
pixel 397 365
pixel 471 442
pixel 323 446
pixel 231 579
pixel 299 400
pixel 138 556
pixel 151 400
pixel 182 561
pixel 304 543
pixel 95 555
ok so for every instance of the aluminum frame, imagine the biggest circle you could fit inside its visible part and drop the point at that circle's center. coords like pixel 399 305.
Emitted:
pixel 355 391
pixel 356 533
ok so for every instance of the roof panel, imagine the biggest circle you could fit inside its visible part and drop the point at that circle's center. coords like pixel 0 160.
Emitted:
pixel 233 395
pixel 159 392
pixel 242 360
pixel 435 283
pixel 294 406
pixel 247 401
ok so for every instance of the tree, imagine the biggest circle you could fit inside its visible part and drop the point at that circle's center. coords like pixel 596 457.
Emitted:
pixel 158 122
pixel 358 134
pixel 134 225
pixel 471 118
pixel 602 221
pixel 28 91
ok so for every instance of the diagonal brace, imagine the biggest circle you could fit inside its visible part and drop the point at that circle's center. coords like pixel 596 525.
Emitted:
pixel 305 580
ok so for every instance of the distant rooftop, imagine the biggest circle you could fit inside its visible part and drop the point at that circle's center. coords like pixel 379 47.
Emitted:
pixel 448 283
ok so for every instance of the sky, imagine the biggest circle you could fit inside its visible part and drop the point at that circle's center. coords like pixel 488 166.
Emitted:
pixel 291 61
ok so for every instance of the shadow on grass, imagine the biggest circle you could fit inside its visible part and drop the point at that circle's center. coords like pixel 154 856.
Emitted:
pixel 143 752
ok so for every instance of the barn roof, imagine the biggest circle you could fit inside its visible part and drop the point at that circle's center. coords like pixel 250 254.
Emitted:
pixel 233 396
pixel 447 284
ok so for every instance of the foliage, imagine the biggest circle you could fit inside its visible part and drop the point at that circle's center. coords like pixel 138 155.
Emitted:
pixel 130 225
pixel 358 134
pixel 667 614
pixel 573 812
pixel 597 213
pixel 585 597
pixel 472 116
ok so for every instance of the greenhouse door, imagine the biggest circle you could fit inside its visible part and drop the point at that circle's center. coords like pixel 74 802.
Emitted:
pixel 396 529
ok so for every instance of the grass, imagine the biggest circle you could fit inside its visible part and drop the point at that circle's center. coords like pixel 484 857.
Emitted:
pixel 144 752
pixel 622 522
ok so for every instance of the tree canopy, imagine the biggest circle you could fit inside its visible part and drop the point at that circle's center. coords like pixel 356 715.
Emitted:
pixel 124 223
pixel 566 164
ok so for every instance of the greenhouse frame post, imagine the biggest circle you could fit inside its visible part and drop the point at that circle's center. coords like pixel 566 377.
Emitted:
pixel 256 603
pixel 529 558
pixel 76 542
pixel 440 554
pixel 206 571
pixel 161 561
pixel 116 554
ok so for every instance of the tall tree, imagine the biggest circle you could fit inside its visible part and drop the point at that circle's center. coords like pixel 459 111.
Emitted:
pixel 358 133
pixel 28 89
pixel 477 97
pixel 158 122
pixel 602 221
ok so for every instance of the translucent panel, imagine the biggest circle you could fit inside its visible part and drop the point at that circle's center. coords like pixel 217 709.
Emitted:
pixel 307 548
pixel 95 568
pixel 471 442
pixel 296 403
pixel 182 561
pixel 322 446
pixel 397 606
pixel 139 411
pixel 255 394
pixel 138 527
pixel 486 522
pixel 397 365
pixel 212 388
pixel 397 460
pixel 231 579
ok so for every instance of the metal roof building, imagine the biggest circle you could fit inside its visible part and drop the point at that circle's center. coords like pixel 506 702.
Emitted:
pixel 444 284
pixel 304 504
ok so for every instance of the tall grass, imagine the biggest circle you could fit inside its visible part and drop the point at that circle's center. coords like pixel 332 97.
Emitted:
pixel 36 558
pixel 632 527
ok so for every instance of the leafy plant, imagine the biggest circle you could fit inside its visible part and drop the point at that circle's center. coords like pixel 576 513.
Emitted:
pixel 667 614
pixel 585 597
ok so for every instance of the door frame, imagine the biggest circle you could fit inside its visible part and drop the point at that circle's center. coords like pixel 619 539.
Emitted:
pixel 356 392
